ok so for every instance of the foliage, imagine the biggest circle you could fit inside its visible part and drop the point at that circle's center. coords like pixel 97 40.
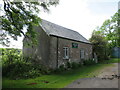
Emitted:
pixel 69 65
pixel 10 55
pixel 89 62
pixel 110 32
pixel 99 46
pixel 18 18
pixel 112 60
pixel 19 69
pixel 74 65
pixel 60 69
pixel 15 67
pixel 56 80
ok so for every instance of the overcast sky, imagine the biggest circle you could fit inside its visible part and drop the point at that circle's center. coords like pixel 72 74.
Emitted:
pixel 82 16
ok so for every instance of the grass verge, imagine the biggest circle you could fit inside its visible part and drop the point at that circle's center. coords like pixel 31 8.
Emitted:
pixel 55 80
pixel 113 60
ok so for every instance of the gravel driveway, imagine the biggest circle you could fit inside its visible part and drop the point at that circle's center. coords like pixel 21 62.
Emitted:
pixel 108 78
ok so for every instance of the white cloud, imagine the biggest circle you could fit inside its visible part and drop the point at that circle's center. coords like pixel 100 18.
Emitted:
pixel 75 15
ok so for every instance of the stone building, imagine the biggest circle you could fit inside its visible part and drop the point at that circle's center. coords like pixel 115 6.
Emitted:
pixel 58 45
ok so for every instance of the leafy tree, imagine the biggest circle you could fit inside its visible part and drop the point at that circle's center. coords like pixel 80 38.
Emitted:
pixel 110 32
pixel 18 19
pixel 99 46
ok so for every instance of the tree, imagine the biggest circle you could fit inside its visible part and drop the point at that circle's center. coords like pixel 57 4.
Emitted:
pixel 19 15
pixel 110 33
pixel 110 30
pixel 99 46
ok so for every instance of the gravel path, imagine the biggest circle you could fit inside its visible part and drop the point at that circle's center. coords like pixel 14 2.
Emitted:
pixel 108 78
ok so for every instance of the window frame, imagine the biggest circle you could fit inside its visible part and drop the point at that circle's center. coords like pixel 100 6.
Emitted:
pixel 82 54
pixel 65 52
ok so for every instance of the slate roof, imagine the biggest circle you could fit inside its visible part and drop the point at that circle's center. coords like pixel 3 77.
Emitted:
pixel 56 30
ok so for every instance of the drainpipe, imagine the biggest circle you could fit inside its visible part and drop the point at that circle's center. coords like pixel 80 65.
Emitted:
pixel 57 53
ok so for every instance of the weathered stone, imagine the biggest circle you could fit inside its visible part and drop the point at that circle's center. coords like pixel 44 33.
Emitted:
pixel 49 51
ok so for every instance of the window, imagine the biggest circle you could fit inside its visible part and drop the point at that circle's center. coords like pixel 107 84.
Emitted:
pixel 66 52
pixel 82 54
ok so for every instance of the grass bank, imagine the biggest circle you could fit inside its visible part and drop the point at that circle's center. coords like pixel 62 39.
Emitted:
pixel 55 80
pixel 113 60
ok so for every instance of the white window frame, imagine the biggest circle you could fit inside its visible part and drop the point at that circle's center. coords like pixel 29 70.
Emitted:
pixel 82 53
pixel 65 53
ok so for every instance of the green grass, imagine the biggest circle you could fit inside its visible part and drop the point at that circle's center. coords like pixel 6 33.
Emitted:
pixel 113 60
pixel 55 80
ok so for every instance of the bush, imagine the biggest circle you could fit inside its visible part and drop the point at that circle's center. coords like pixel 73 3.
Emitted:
pixel 20 69
pixel 74 65
pixel 68 65
pixel 89 62
pixel 31 74
pixel 80 64
pixel 15 67
pixel 60 69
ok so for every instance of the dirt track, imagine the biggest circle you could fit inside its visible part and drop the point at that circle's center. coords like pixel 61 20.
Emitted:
pixel 108 78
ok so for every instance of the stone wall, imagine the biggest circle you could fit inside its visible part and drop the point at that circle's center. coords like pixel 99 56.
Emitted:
pixel 49 50
pixel 39 53
pixel 53 52
pixel 74 53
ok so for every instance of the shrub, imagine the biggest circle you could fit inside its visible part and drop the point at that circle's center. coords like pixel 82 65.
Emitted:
pixel 89 62
pixel 80 64
pixel 60 69
pixel 31 74
pixel 68 65
pixel 15 67
pixel 20 69
pixel 74 65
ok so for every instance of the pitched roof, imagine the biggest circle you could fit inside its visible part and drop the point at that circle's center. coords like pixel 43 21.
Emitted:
pixel 56 30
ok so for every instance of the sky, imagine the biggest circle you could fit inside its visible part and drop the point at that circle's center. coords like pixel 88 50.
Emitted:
pixel 82 16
